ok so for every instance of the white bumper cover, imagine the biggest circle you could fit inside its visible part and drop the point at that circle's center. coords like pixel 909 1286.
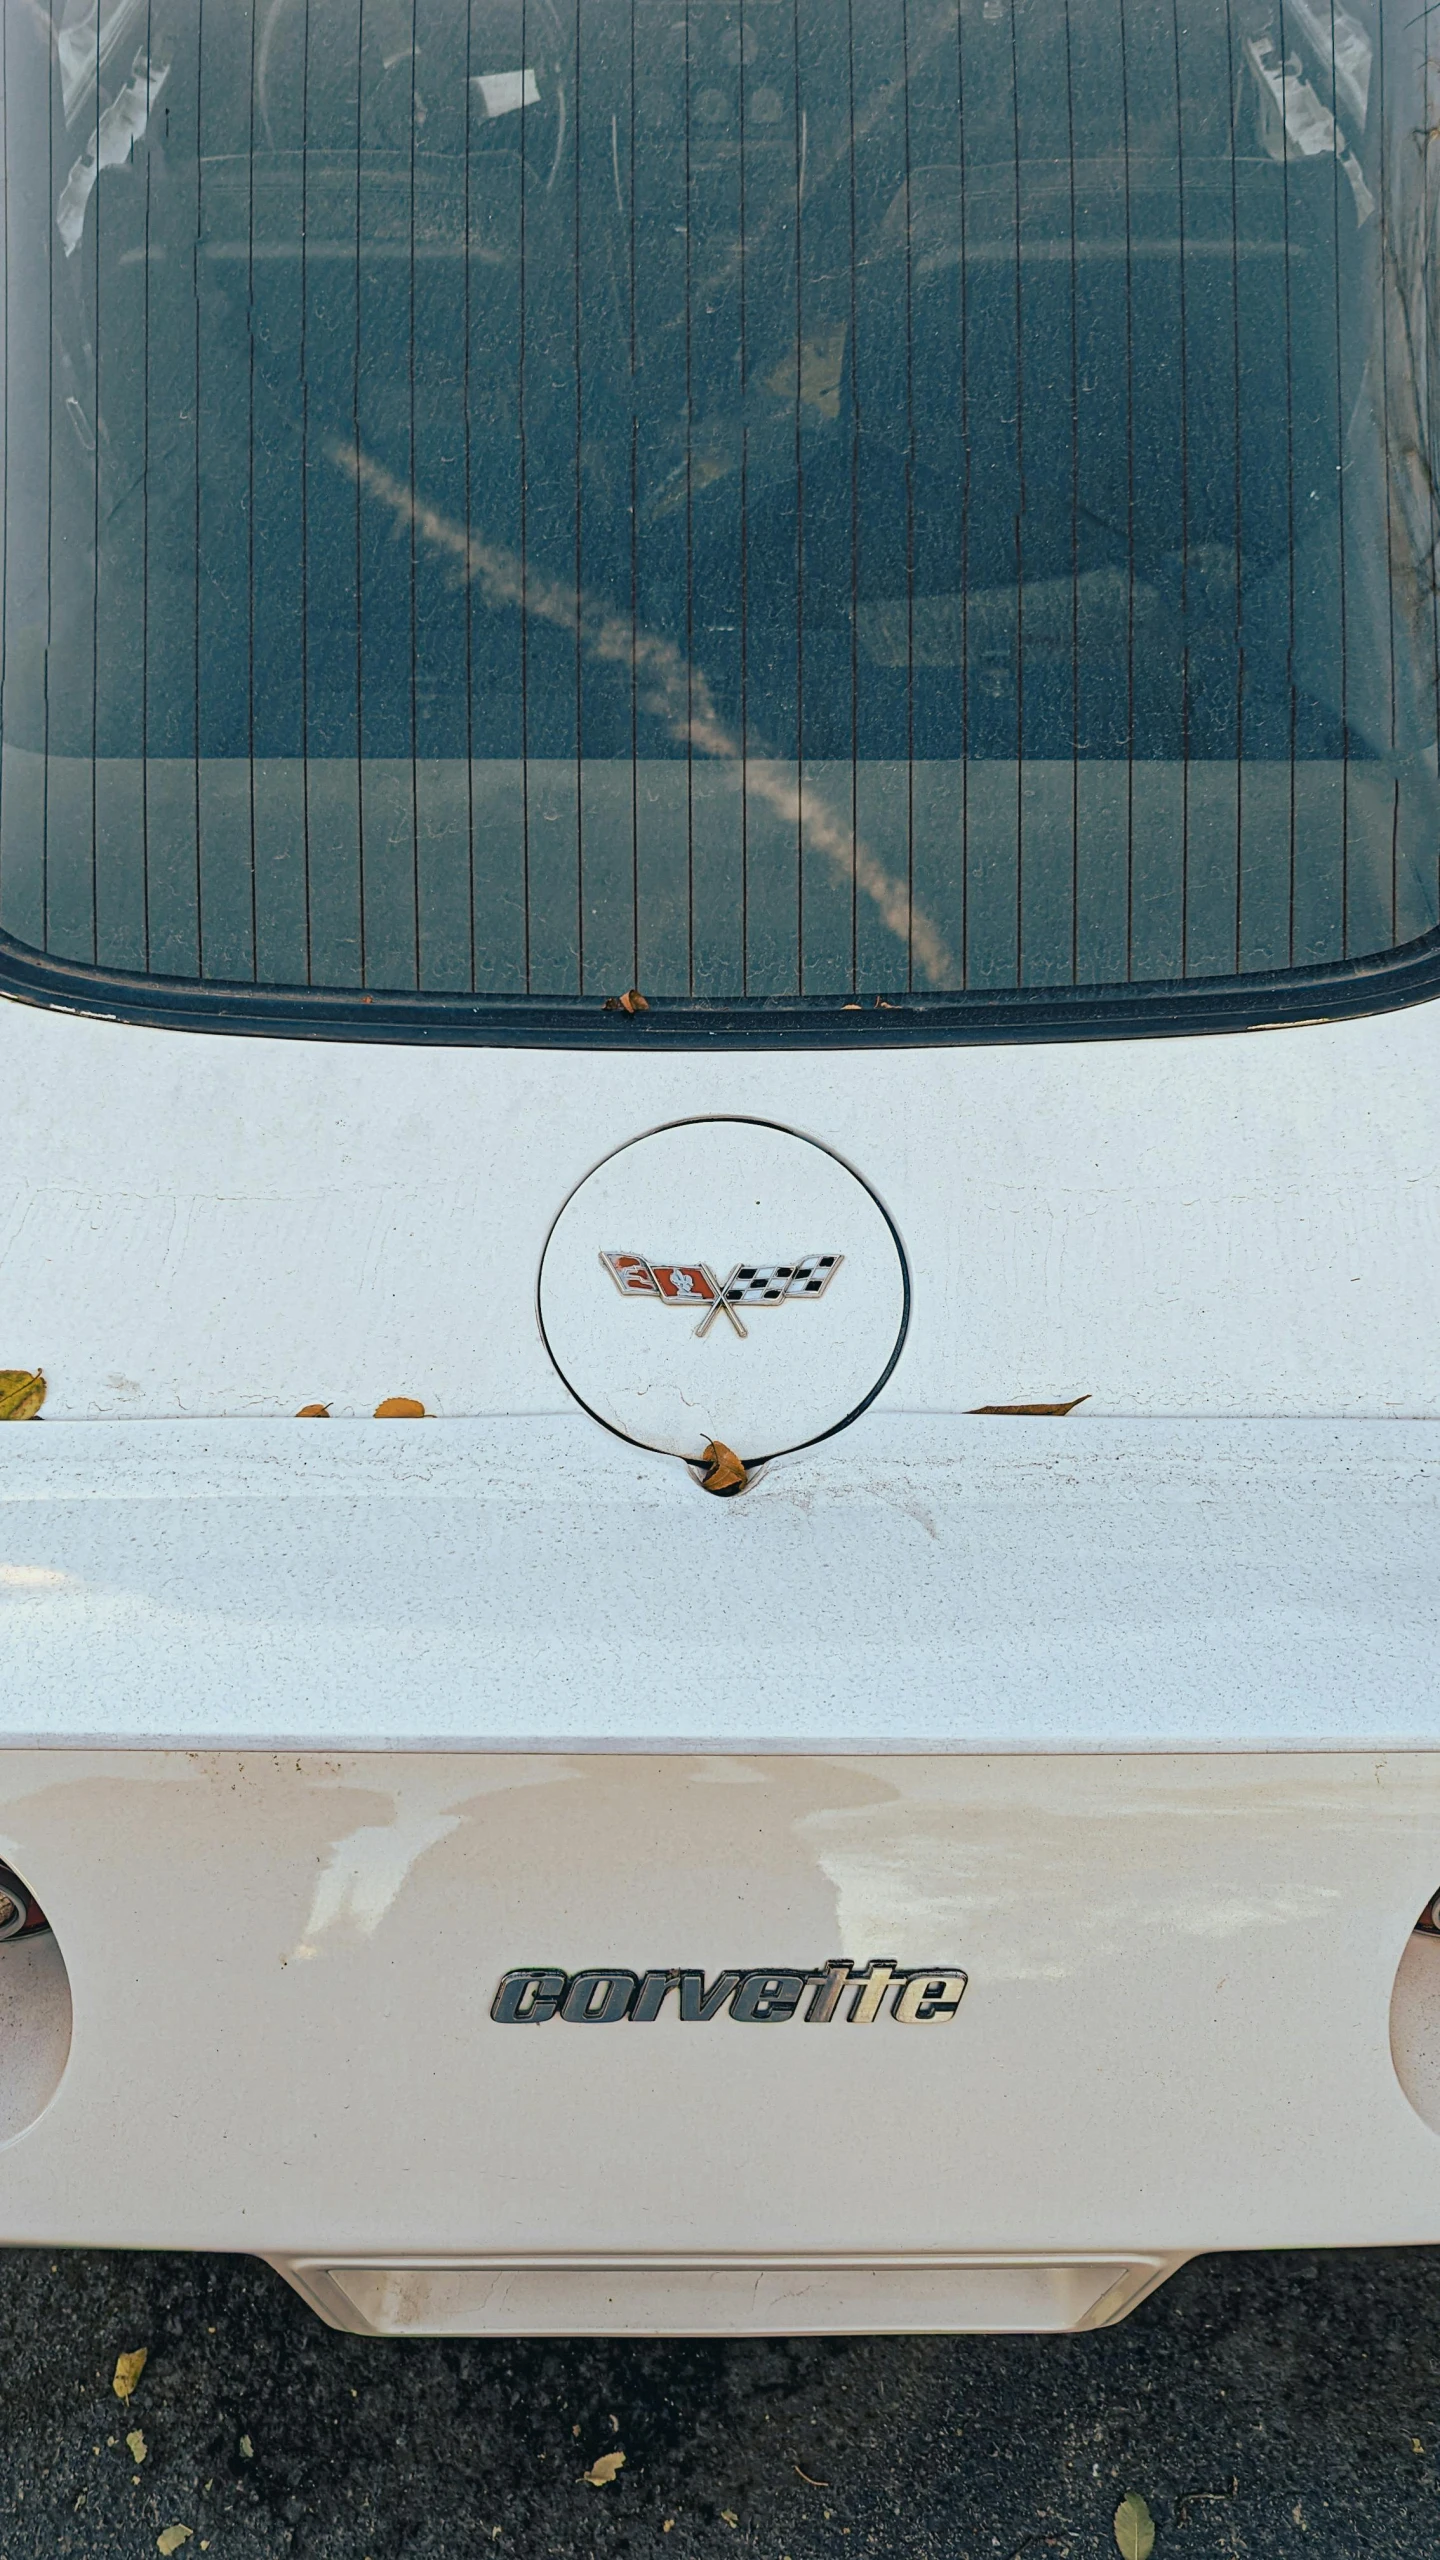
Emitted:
pixel 315 1733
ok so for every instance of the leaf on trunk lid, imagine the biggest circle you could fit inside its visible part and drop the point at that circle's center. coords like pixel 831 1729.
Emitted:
pixel 603 2469
pixel 128 2369
pixel 22 1393
pixel 171 2539
pixel 1134 2529
pixel 632 1001
pixel 399 1409
pixel 1031 1408
pixel 724 1472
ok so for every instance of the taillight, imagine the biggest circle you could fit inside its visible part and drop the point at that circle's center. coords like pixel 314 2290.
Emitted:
pixel 20 1913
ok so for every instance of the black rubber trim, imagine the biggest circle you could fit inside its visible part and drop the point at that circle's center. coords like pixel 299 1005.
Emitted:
pixel 1334 991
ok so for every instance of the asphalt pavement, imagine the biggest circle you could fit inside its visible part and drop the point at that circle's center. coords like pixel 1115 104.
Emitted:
pixel 1260 2405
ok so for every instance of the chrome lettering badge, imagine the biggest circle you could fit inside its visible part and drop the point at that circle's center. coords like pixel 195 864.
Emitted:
pixel 608 1995
pixel 748 1284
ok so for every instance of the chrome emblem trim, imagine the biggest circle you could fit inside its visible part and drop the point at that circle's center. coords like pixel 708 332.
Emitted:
pixel 609 1995
pixel 747 1284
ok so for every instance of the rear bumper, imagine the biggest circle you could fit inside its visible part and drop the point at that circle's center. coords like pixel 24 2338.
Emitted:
pixel 304 1757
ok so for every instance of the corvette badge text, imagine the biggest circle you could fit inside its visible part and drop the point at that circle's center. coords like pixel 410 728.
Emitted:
pixel 608 1995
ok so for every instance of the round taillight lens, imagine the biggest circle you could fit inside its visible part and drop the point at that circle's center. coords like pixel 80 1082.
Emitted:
pixel 20 1913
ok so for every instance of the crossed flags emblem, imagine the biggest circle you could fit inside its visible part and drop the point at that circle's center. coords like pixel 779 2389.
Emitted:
pixel 748 1284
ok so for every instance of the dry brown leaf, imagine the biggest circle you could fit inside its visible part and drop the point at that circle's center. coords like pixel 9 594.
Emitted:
pixel 603 2469
pixel 315 1412
pixel 138 2446
pixel 632 1001
pixel 22 1393
pixel 1031 1408
pixel 128 2369
pixel 399 1409
pixel 724 1472
pixel 171 2539
pixel 1134 2529
pixel 804 2475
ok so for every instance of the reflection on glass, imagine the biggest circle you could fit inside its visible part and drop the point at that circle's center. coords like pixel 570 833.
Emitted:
pixel 744 497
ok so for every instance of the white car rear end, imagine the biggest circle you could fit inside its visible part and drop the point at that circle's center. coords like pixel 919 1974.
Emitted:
pixel 822 1075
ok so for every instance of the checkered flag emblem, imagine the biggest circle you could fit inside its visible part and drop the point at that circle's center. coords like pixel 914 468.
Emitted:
pixel 748 1284
pixel 764 1284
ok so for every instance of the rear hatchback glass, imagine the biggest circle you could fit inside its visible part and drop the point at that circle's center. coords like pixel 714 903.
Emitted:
pixel 802 507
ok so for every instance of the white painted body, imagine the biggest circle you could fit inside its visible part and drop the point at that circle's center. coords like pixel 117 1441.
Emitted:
pixel 313 1729
pixel 1245 1225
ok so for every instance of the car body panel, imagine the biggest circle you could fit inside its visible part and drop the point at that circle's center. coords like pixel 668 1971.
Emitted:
pixel 1174 2034
pixel 202 1225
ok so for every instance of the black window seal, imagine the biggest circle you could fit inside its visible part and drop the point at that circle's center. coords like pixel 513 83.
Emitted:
pixel 1262 1000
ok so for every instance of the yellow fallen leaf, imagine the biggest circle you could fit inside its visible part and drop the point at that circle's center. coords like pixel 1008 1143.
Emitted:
pixel 138 2446
pixel 603 2469
pixel 728 2516
pixel 22 1393
pixel 313 1413
pixel 399 1409
pixel 724 1472
pixel 1134 2529
pixel 247 2450
pixel 171 2539
pixel 128 2369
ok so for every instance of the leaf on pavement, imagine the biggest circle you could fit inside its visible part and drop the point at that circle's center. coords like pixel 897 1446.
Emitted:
pixel 171 2539
pixel 128 2369
pixel 603 2469
pixel 1134 2529
pixel 138 2446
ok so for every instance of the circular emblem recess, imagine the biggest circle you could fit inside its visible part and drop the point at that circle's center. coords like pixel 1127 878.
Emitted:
pixel 723 1280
